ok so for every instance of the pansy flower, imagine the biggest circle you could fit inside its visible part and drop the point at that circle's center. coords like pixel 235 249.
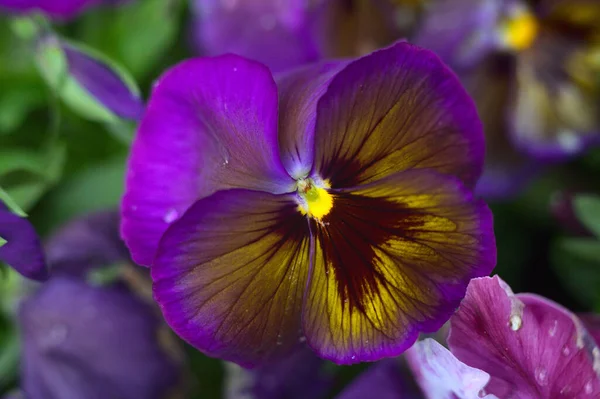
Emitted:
pixel 335 204
pixel 504 345
pixel 20 246
pixel 532 69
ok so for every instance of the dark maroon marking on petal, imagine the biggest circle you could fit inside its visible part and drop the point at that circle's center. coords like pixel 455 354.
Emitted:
pixel 351 232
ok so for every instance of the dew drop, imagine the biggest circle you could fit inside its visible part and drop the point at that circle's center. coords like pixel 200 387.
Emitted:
pixel 353 357
pixel 566 351
pixel 552 330
pixel 588 387
pixel 235 69
pixel 515 322
pixel 541 376
pixel 170 216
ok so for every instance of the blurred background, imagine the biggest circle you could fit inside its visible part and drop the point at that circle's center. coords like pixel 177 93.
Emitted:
pixel 74 77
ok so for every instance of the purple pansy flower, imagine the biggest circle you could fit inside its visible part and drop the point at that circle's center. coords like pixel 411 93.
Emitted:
pixel 338 207
pixel 531 67
pixel 530 347
pixel 90 342
pixel 20 246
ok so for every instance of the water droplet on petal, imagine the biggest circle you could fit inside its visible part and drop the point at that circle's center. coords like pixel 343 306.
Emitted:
pixel 566 351
pixel 353 357
pixel 552 330
pixel 588 387
pixel 515 322
pixel 541 376
pixel 302 339
pixel 171 216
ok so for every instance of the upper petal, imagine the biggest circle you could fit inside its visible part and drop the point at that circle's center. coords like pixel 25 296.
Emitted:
pixel 299 93
pixel 531 347
pixel 276 33
pixel 393 259
pixel 211 123
pixel 396 109
pixel 441 375
pixel 60 9
pixel 22 248
pixel 230 274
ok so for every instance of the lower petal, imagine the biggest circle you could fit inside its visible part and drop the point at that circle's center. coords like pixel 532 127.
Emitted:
pixel 230 274
pixel 393 259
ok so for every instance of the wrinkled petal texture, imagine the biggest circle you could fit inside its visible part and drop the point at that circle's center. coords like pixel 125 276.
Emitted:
pixel 393 259
pixel 23 250
pixel 275 33
pixel 104 84
pixel 442 376
pixel 92 342
pixel 396 109
pixel 531 347
pixel 299 93
pixel 211 124
pixel 230 274
pixel 59 9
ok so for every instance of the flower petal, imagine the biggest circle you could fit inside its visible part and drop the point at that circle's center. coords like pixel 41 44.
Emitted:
pixel 441 375
pixel 211 124
pixel 300 375
pixel 92 342
pixel 299 92
pixel 86 243
pixel 275 33
pixel 396 109
pixel 393 259
pixel 591 321
pixel 507 171
pixel 555 113
pixel 22 249
pixel 382 380
pixel 230 274
pixel 104 82
pixel 460 32
pixel 531 347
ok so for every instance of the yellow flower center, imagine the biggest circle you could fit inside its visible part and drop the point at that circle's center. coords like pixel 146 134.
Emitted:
pixel 518 32
pixel 317 201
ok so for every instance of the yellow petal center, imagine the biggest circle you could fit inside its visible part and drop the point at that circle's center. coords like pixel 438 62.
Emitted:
pixel 317 201
pixel 520 30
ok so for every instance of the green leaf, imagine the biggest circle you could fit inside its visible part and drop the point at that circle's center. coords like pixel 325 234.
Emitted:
pixel 11 203
pixel 137 34
pixel 27 175
pixel 577 262
pixel 587 209
pixel 2 242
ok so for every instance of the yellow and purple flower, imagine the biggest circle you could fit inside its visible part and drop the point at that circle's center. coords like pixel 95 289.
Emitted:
pixel 335 204
pixel 532 68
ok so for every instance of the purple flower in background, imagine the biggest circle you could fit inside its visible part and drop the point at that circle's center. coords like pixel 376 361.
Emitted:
pixel 274 32
pixel 532 68
pixel 338 207
pixel 20 246
pixel 85 244
pixel 509 346
pixel 90 342
pixel 56 9
pixel 299 375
